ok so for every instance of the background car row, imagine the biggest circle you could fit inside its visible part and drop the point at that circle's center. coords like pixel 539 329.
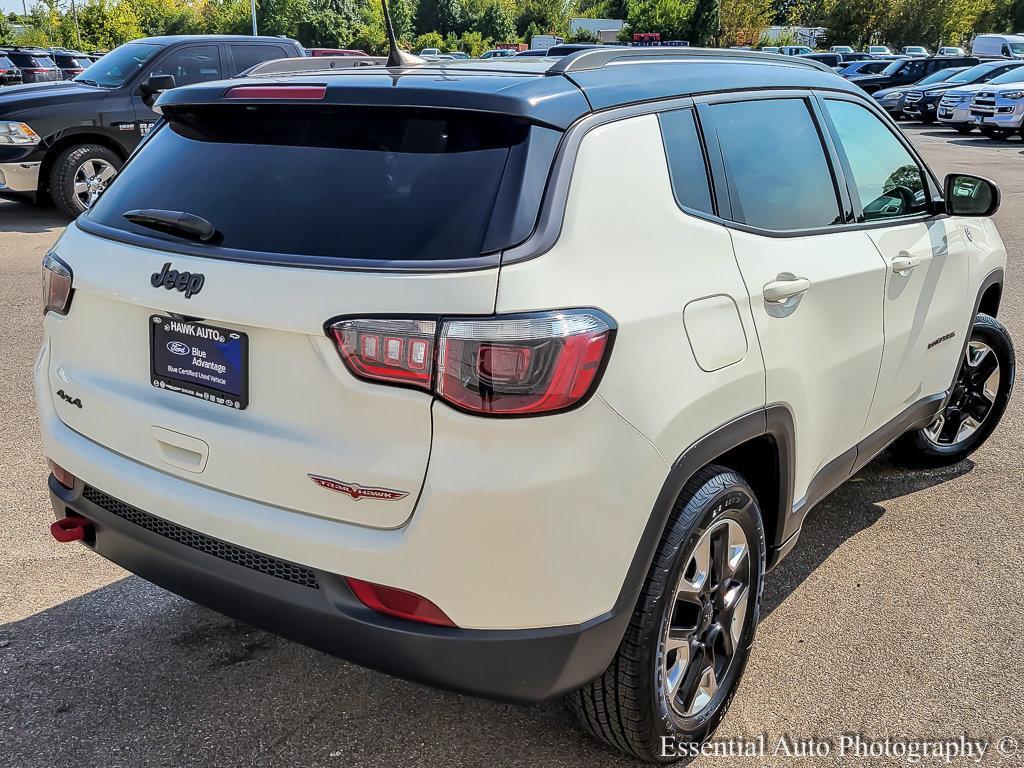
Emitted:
pixel 37 65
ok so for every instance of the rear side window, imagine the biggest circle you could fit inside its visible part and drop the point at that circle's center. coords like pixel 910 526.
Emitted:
pixel 686 165
pixel 888 179
pixel 775 162
pixel 250 55
pixel 368 184
pixel 37 62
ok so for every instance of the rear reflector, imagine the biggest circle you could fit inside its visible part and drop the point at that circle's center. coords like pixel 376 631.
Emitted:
pixel 61 475
pixel 398 603
pixel 308 92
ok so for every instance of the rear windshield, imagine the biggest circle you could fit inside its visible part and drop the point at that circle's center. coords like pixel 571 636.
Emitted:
pixel 72 61
pixel 367 184
pixel 5 63
pixel 26 60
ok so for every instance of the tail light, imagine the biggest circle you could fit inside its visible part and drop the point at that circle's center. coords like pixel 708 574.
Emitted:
pixel 57 279
pixel 393 351
pixel 504 366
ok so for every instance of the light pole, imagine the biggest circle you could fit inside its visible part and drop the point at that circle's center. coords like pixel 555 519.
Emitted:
pixel 252 6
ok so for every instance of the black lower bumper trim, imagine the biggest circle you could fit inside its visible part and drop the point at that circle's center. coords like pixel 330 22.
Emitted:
pixel 521 666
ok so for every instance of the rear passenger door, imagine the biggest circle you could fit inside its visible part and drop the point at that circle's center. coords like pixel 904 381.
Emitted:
pixel 815 289
pixel 926 258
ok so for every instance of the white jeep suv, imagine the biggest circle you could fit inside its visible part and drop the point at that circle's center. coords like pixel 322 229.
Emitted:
pixel 513 382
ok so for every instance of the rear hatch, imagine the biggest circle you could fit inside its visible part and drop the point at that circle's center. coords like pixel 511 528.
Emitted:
pixel 320 212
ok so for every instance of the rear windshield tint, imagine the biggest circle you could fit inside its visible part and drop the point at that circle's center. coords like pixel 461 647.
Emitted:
pixel 6 63
pixel 39 62
pixel 368 184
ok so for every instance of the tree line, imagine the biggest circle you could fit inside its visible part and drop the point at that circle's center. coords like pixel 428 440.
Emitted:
pixel 476 25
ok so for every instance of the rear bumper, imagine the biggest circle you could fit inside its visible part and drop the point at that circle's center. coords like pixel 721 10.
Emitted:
pixel 316 608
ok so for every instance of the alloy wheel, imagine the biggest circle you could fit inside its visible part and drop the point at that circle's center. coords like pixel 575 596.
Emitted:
pixel 91 178
pixel 972 399
pixel 704 623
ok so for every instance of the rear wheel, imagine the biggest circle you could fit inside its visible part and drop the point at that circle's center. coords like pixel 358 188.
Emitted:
pixel 684 652
pixel 975 405
pixel 994 133
pixel 79 175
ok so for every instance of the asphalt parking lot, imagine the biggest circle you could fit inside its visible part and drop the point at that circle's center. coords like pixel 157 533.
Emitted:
pixel 900 614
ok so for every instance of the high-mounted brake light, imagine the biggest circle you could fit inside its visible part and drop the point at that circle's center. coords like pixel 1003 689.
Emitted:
pixel 504 366
pixel 301 92
pixel 57 279
pixel 398 602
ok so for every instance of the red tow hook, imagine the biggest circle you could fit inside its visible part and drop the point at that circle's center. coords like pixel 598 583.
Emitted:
pixel 70 529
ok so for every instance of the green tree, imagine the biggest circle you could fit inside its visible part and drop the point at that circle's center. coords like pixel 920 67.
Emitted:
pixel 705 23
pixel 401 17
pixel 582 35
pixel 444 16
pixel 427 40
pixel 742 21
pixel 496 23
pixel 551 17
pixel 666 17
pixel 6 32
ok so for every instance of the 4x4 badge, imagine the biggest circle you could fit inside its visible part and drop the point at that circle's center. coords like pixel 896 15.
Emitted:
pixel 358 492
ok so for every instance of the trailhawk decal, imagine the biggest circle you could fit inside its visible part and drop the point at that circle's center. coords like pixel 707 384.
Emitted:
pixel 357 492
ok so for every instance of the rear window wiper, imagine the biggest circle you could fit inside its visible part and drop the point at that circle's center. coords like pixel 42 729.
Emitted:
pixel 176 222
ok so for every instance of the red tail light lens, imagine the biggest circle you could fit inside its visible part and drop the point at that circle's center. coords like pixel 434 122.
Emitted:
pixel 394 351
pixel 57 279
pixel 521 365
pixel 398 603
pixel 515 365
pixel 61 475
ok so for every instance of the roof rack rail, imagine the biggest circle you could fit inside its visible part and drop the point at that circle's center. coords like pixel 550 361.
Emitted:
pixel 596 58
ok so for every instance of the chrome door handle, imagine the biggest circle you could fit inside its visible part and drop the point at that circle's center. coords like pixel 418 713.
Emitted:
pixel 785 287
pixel 903 264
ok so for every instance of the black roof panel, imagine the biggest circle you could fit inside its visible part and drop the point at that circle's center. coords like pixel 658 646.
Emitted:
pixel 550 91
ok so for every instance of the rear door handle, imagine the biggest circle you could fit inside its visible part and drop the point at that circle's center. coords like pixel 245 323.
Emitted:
pixel 785 287
pixel 903 264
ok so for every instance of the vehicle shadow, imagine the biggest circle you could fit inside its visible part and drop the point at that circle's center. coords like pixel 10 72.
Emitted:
pixel 29 219
pixel 133 676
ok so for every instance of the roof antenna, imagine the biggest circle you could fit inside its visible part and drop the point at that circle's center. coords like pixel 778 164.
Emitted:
pixel 396 56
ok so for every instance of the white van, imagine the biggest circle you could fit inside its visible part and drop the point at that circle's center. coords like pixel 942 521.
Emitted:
pixel 1007 46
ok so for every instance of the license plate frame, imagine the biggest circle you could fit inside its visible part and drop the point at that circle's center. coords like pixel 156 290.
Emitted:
pixel 211 362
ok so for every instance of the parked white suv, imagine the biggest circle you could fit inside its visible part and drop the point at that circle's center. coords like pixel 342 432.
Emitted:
pixel 531 411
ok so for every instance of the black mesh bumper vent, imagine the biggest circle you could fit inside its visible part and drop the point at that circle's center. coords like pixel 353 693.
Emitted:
pixel 254 561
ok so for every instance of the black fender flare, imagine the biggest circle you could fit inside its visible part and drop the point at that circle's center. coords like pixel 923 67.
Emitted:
pixel 775 421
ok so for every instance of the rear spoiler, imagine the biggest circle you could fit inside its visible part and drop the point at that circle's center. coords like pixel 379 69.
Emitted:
pixel 312 64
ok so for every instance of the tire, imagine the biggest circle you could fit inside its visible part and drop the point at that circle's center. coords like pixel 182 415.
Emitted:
pixel 964 129
pixel 71 167
pixel 994 133
pixel 936 445
pixel 628 707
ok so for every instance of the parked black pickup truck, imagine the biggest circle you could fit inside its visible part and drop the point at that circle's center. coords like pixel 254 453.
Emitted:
pixel 68 139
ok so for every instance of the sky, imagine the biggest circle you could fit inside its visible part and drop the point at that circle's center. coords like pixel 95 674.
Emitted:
pixel 11 5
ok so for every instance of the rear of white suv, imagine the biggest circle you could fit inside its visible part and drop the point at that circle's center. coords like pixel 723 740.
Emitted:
pixel 513 381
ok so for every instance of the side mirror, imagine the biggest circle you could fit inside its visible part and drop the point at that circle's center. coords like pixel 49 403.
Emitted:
pixel 156 85
pixel 968 195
